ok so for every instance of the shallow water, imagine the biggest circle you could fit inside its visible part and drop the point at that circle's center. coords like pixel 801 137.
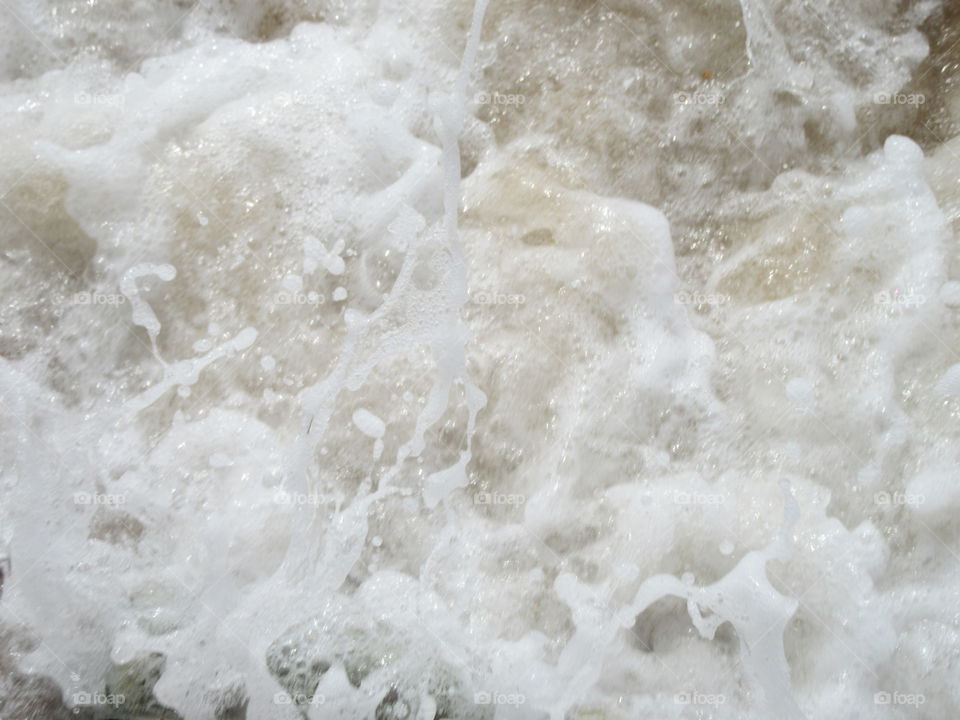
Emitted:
pixel 434 360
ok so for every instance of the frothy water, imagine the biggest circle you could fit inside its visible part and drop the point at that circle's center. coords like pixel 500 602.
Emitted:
pixel 437 360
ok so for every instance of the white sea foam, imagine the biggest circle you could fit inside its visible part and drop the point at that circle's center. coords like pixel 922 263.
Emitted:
pixel 358 363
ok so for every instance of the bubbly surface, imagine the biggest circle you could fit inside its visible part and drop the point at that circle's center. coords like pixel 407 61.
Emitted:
pixel 420 360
